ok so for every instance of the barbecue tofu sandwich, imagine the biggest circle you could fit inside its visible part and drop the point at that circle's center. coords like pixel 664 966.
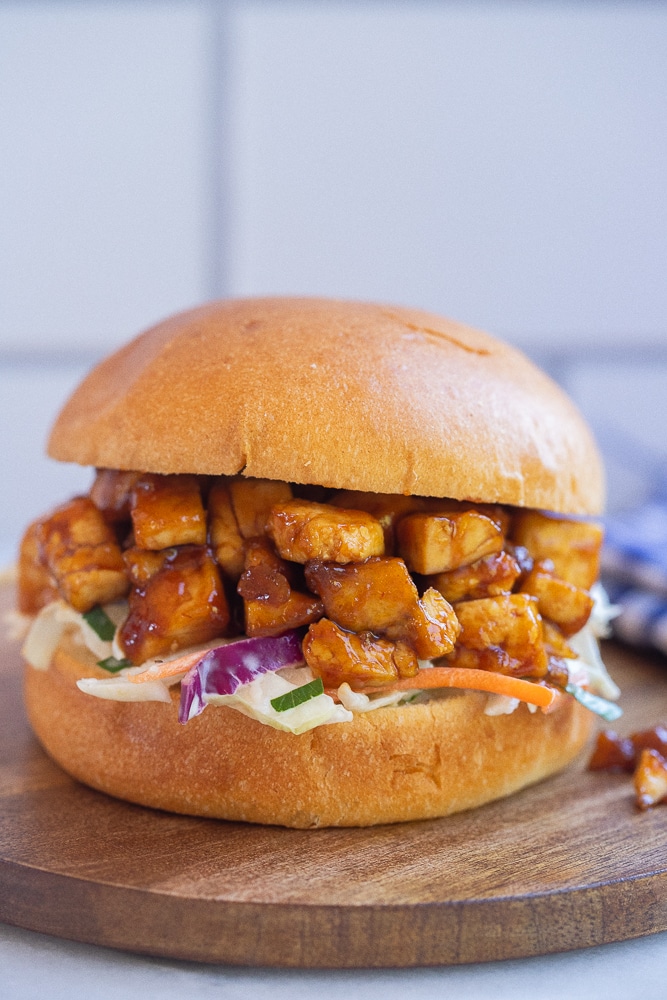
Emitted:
pixel 337 566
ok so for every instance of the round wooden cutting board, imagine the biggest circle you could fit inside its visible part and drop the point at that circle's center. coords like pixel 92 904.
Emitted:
pixel 567 864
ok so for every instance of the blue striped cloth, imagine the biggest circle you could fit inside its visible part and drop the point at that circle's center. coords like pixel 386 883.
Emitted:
pixel 634 572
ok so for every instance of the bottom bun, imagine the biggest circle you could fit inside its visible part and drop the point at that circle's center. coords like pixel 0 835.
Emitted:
pixel 394 764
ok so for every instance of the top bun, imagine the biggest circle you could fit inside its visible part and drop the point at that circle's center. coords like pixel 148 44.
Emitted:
pixel 339 394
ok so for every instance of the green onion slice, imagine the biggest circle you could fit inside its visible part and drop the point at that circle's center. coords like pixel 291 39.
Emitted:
pixel 298 696
pixel 100 623
pixel 113 665
pixel 606 709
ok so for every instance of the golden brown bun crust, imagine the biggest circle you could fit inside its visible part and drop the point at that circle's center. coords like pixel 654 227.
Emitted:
pixel 394 764
pixel 339 394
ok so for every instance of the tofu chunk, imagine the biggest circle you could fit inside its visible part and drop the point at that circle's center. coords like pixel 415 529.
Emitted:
pixel 181 605
pixel 368 596
pixel 271 606
pixel 82 556
pixel 433 629
pixel 36 587
pixel 379 596
pixel 502 633
pixel 142 564
pixel 555 644
pixel 299 609
pixel 303 530
pixel 568 606
pixel 486 577
pixel 266 576
pixel 437 543
pixel 360 660
pixel 387 508
pixel 252 500
pixel 573 546
pixel 223 531
pixel 111 493
pixel 167 511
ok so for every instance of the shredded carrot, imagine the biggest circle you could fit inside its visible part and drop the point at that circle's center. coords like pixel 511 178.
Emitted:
pixel 465 678
pixel 478 680
pixel 169 668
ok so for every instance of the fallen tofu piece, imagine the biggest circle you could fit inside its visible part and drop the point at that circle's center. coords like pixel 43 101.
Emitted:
pixel 360 660
pixel 486 577
pixel 252 500
pixel 573 546
pixel 36 587
pixel 167 511
pixel 82 556
pixel 223 531
pixel 437 543
pixel 111 493
pixel 303 530
pixel 181 605
pixel 502 633
pixel 387 508
pixel 568 606
pixel 650 779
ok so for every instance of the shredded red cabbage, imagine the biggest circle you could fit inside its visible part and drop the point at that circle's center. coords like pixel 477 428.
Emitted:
pixel 224 669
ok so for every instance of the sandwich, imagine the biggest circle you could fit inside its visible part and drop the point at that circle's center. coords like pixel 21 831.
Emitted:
pixel 337 566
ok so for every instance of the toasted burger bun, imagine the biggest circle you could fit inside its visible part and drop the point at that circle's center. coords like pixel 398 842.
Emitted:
pixel 338 394
pixel 400 763
pixel 348 396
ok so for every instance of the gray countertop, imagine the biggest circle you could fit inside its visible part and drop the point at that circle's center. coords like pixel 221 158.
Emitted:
pixel 35 966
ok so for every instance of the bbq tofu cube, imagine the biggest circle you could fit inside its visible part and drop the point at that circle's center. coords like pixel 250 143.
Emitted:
pixel 303 530
pixel 379 596
pixel 167 511
pixel 271 605
pixel 111 493
pixel 266 576
pixel 368 596
pixel 36 588
pixel 223 531
pixel 437 543
pixel 142 564
pixel 82 556
pixel 486 577
pixel 264 619
pixel 434 627
pixel 568 606
pixel 501 633
pixel 360 660
pixel 181 605
pixel 554 642
pixel 387 508
pixel 650 779
pixel 572 546
pixel 252 500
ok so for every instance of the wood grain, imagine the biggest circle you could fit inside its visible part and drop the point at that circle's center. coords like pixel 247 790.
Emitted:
pixel 567 864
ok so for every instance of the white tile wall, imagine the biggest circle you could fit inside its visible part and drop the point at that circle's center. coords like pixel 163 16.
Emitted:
pixel 30 396
pixel 503 163
pixel 497 161
pixel 103 173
